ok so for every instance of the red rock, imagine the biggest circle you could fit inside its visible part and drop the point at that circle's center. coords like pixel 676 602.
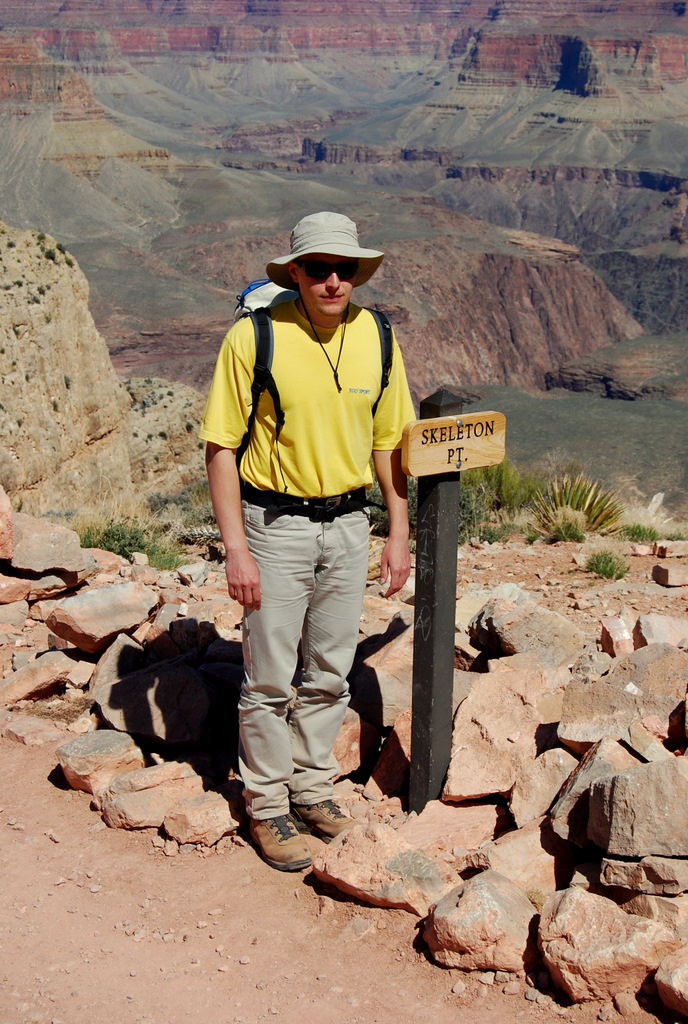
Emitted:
pixel 202 818
pixel 538 783
pixel 142 799
pixel 672 981
pixel 40 678
pixel 391 773
pixel 616 637
pixel 43 547
pixel 13 588
pixel 441 827
pixel 593 950
pixel 32 732
pixel 534 857
pixel 356 739
pixel 670 575
pixel 93 761
pixel 14 614
pixel 377 866
pixel 484 924
pixel 91 620
pixel 660 629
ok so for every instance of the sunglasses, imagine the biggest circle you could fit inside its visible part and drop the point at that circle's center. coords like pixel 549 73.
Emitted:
pixel 318 270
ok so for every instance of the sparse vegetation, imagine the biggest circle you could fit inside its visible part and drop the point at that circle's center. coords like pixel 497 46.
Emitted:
pixel 126 533
pixel 568 524
pixel 639 534
pixel 608 564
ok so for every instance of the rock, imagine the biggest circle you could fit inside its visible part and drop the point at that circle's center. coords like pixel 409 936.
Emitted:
pixel 497 731
pixel 650 681
pixel 121 658
pixel 40 678
pixel 670 548
pixel 194 574
pixel 659 876
pixel 202 818
pixel 642 742
pixel 534 857
pixel 509 628
pixel 660 629
pixel 91 620
pixel 6 527
pixel 168 702
pixel 391 773
pixel 488 923
pixel 669 910
pixel 381 683
pixel 590 664
pixel 538 783
pixel 593 950
pixel 13 589
pixel 92 761
pixel 356 740
pixel 41 546
pixel 442 827
pixel 670 575
pixel 378 866
pixel 616 637
pixel 143 798
pixel 14 613
pixel 671 980
pixel 570 813
pixel 31 731
pixel 639 811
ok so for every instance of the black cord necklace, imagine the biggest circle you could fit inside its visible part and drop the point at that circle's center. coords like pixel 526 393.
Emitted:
pixel 335 368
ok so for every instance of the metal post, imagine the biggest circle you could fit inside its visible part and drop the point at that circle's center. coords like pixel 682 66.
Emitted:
pixel 435 611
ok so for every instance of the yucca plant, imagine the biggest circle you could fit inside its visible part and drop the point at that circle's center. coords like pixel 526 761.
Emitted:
pixel 603 511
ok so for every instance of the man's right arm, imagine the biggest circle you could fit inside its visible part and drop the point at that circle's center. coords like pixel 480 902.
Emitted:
pixel 243 575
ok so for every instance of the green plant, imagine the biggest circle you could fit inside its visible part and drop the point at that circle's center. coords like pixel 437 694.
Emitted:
pixel 639 534
pixel 69 261
pixel 162 434
pixel 126 536
pixel 608 564
pixel 603 510
pixel 568 524
pixel 50 254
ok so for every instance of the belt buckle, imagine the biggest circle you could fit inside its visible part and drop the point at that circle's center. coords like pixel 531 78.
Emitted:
pixel 333 502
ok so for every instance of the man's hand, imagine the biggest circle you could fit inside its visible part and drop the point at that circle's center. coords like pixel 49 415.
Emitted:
pixel 395 565
pixel 243 579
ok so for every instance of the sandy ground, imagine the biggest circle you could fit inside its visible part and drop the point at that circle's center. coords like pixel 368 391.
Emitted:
pixel 98 925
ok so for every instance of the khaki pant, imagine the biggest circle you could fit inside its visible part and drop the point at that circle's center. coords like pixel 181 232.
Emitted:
pixel 313 578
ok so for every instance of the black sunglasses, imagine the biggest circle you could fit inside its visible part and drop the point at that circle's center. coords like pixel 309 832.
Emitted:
pixel 318 270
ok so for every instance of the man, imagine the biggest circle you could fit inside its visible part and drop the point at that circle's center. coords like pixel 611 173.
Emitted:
pixel 294 527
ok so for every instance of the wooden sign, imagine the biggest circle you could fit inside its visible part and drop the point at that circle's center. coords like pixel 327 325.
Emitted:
pixel 451 444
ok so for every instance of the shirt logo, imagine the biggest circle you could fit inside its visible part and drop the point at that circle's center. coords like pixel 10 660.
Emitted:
pixel 359 391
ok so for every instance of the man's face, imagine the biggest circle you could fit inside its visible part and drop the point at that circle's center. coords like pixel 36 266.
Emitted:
pixel 324 298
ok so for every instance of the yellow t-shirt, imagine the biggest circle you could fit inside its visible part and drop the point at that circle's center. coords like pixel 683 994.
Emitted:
pixel 327 438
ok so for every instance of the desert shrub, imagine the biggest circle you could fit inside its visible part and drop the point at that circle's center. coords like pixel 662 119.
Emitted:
pixel 568 524
pixel 125 536
pixel 608 564
pixel 639 534
pixel 603 511
pixel 508 489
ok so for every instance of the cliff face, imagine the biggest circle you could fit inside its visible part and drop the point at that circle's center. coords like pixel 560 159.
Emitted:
pixel 71 434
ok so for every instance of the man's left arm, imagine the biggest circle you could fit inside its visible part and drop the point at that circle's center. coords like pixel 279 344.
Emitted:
pixel 395 564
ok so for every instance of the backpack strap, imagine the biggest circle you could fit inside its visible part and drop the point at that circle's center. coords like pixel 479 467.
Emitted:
pixel 385 329
pixel 262 377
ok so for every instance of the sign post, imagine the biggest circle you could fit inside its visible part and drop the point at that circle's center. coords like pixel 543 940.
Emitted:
pixel 435 449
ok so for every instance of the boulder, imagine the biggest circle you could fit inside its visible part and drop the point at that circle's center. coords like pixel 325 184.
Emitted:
pixel 441 829
pixel 616 636
pixel 32 731
pixel 593 950
pixel 669 910
pixel 570 813
pixel 660 629
pixel 488 924
pixel 169 702
pixel 92 619
pixel 639 811
pixel 201 818
pixel 14 613
pixel 42 547
pixel 356 740
pixel 538 783
pixel 391 773
pixel 121 658
pixel 143 798
pixel 670 575
pixel 40 678
pixel 650 681
pixel 91 762
pixel 376 865
pixel 508 627
pixel 644 743
pixel 12 589
pixel 498 731
pixel 534 857
pixel 671 980
pixel 658 876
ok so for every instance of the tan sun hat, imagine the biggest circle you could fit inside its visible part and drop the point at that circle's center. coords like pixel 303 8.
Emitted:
pixel 332 234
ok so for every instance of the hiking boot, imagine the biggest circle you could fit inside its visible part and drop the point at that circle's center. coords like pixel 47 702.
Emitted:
pixel 281 844
pixel 324 818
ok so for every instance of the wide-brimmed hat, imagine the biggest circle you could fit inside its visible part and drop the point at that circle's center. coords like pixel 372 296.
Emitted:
pixel 332 234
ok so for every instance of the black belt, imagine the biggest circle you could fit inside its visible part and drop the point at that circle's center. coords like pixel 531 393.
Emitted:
pixel 279 504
